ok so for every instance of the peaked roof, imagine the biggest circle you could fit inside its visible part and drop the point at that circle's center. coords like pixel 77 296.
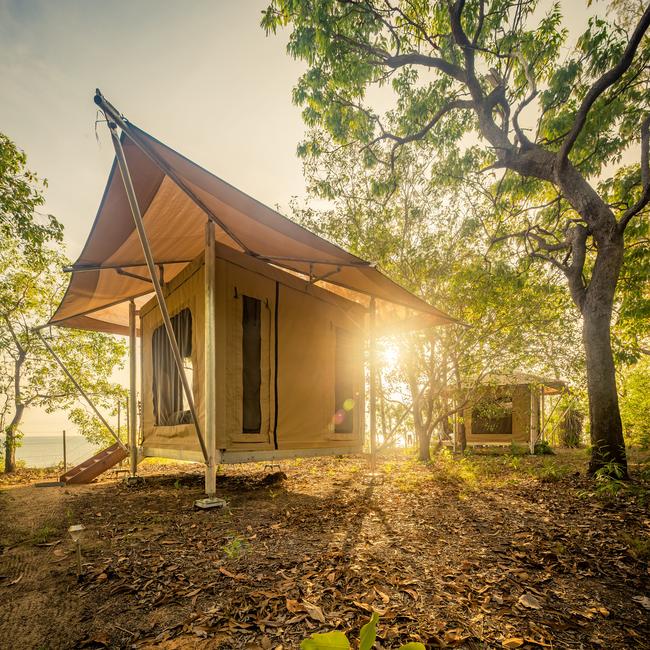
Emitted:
pixel 176 197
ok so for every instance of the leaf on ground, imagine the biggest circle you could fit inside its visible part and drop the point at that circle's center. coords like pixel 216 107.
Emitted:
pixel 644 601
pixel 314 611
pixel 369 633
pixel 512 642
pixel 235 576
pixel 334 640
pixel 293 606
pixel 530 601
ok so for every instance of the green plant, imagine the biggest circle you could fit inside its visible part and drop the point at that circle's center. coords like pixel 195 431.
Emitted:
pixel 235 547
pixel 518 450
pixel 543 448
pixel 609 479
pixel 514 462
pixel 44 534
pixel 549 472
pixel 336 640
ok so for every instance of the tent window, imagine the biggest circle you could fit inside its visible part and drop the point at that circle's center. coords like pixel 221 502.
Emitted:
pixel 251 364
pixel 344 382
pixel 493 417
pixel 169 403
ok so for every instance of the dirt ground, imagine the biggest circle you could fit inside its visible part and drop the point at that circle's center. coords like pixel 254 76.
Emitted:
pixel 487 551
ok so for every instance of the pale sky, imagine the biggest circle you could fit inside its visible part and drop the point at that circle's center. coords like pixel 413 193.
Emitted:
pixel 200 75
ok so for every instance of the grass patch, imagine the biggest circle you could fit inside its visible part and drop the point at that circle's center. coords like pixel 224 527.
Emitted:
pixel 551 472
pixel 639 547
pixel 44 534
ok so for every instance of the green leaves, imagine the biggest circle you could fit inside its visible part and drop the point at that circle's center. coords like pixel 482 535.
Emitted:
pixel 369 633
pixel 328 641
pixel 20 196
pixel 338 641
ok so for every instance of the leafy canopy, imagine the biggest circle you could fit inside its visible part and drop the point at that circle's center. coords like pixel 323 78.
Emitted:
pixel 20 197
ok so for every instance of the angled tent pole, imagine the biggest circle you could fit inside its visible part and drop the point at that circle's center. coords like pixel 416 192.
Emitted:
pixel 82 392
pixel 139 225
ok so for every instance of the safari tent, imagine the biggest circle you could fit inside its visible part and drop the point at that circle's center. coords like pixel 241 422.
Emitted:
pixel 507 410
pixel 253 330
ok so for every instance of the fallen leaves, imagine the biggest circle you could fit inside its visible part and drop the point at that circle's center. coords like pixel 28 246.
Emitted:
pixel 518 567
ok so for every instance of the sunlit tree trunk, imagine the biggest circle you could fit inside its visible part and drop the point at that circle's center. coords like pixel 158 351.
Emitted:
pixel 12 430
pixel 606 430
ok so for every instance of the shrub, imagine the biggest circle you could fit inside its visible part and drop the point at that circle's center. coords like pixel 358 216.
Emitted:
pixel 543 448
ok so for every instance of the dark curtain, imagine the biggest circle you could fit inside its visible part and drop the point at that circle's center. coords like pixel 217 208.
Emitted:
pixel 168 399
pixel 251 364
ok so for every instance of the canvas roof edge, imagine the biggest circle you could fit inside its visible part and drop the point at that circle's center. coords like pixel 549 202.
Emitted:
pixel 103 103
pixel 138 137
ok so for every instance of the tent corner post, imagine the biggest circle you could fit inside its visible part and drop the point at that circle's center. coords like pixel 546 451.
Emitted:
pixel 133 406
pixel 372 371
pixel 210 359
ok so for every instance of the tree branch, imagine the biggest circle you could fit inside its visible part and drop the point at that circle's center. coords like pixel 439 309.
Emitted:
pixel 602 84
pixel 645 177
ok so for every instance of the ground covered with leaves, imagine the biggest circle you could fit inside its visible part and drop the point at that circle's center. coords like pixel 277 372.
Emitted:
pixel 485 551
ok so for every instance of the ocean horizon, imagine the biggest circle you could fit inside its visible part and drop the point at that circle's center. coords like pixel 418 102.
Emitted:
pixel 47 451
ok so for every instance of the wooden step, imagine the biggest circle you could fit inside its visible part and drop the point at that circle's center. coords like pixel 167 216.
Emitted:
pixel 91 468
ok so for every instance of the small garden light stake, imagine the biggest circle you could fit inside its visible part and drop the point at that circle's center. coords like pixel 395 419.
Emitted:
pixel 75 533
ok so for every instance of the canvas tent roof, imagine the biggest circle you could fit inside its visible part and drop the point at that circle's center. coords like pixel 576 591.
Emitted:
pixel 176 196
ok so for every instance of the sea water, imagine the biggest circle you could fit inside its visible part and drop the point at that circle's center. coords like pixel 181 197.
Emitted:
pixel 47 451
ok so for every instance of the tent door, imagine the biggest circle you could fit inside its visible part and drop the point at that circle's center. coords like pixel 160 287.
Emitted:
pixel 251 358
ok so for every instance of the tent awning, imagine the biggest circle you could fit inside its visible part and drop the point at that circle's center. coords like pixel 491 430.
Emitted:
pixel 176 196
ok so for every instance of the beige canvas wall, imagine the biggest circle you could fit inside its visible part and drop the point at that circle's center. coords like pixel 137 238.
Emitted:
pixel 308 317
pixel 520 416
pixel 306 361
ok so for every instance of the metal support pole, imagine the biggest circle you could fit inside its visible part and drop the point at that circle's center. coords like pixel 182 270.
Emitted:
pixel 533 420
pixel 372 369
pixel 65 456
pixel 133 416
pixel 210 360
pixel 82 392
pixel 151 265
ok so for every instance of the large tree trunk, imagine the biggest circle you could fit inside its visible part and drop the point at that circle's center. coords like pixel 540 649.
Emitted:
pixel 604 415
pixel 424 444
pixel 10 439
pixel 462 437
pixel 608 446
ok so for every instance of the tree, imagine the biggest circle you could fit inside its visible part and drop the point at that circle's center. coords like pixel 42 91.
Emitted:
pixel 466 77
pixel 20 197
pixel 30 289
pixel 433 244
pixel 31 286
